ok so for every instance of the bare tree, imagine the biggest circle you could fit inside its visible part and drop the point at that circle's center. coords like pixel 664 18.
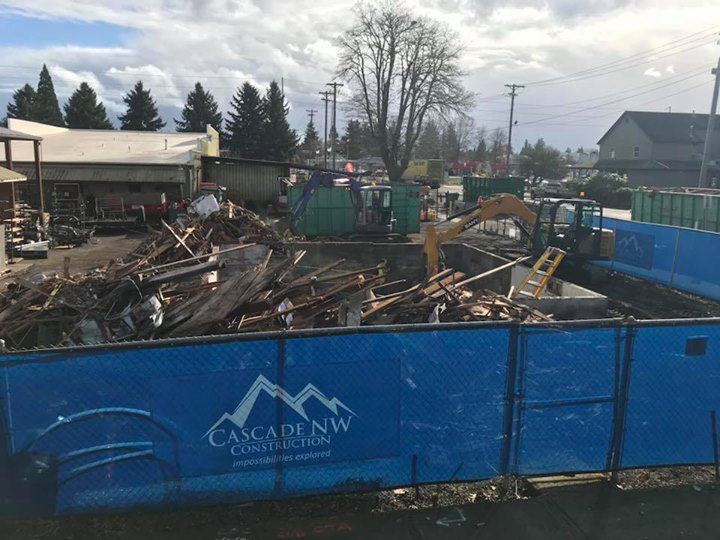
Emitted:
pixel 465 128
pixel 401 69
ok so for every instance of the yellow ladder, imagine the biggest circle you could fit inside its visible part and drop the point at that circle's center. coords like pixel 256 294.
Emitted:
pixel 534 283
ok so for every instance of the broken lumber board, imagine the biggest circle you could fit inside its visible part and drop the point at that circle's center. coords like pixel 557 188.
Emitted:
pixel 180 240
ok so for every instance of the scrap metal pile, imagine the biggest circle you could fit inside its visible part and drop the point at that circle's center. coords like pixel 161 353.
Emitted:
pixel 170 287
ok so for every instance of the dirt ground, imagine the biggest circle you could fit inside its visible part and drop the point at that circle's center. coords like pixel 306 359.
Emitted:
pixel 381 507
pixel 627 295
pixel 98 252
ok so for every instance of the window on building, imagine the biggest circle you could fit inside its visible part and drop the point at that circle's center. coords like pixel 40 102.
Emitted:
pixel 134 188
pixel 636 151
pixel 612 153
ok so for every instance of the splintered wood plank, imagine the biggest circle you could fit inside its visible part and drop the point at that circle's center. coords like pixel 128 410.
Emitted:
pixel 179 239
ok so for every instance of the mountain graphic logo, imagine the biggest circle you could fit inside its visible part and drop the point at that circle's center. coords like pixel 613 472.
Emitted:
pixel 241 413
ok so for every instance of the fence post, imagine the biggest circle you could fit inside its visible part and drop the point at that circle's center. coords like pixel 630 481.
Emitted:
pixel 509 400
pixel 675 254
pixel 620 417
pixel 279 414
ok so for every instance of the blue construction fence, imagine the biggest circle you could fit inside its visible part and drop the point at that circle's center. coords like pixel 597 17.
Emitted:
pixel 685 259
pixel 270 416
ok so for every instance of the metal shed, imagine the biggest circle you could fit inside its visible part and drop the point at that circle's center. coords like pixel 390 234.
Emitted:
pixel 251 180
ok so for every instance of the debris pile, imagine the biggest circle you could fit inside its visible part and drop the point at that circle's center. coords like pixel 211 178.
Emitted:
pixel 446 297
pixel 170 287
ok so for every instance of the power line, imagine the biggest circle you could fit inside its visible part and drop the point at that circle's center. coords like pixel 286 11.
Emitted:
pixel 676 43
pixel 623 68
pixel 696 70
pixel 613 101
pixel 544 122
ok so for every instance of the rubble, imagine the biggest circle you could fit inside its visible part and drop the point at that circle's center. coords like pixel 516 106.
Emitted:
pixel 170 287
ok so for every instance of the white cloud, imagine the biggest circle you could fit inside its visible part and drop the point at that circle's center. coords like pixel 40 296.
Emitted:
pixel 222 43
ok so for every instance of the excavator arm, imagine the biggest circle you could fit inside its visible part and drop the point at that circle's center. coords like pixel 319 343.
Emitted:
pixel 500 205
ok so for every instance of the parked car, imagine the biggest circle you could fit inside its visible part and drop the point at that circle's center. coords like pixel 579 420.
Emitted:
pixel 550 188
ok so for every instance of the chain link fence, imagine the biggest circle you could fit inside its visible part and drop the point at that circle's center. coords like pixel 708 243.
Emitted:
pixel 210 421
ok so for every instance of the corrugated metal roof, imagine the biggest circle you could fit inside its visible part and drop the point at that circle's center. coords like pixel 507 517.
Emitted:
pixel 108 172
pixel 6 175
pixel 62 145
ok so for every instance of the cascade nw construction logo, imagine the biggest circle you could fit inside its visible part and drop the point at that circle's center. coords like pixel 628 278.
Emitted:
pixel 305 437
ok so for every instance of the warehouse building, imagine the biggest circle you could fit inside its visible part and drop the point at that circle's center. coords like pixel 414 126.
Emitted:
pixel 102 164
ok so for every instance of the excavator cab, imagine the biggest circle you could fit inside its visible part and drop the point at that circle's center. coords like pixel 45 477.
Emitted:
pixel 573 225
pixel 374 210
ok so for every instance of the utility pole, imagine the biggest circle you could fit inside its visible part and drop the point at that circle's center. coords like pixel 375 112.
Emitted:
pixel 334 115
pixel 311 113
pixel 513 92
pixel 326 99
pixel 710 130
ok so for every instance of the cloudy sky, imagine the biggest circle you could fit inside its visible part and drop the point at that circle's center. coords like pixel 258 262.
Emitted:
pixel 583 61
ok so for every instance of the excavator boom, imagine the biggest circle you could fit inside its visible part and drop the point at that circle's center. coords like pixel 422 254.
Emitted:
pixel 500 205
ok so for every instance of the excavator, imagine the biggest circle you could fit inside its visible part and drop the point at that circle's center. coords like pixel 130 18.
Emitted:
pixel 574 226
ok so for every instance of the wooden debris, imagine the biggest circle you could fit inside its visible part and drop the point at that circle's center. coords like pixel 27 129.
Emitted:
pixel 161 290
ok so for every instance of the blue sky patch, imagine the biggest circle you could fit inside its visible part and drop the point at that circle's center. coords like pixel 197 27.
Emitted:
pixel 16 30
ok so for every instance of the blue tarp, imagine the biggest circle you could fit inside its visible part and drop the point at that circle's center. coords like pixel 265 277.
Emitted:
pixel 192 423
pixel 682 258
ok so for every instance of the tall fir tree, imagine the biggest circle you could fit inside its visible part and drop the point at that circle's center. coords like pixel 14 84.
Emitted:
pixel 21 106
pixel 245 128
pixel 280 142
pixel 82 111
pixel 200 111
pixel 481 150
pixel 450 143
pixel 142 113
pixel 45 107
pixel 311 144
pixel 428 145
pixel 357 141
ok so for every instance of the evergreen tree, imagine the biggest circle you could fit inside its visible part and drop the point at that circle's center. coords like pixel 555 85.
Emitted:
pixel 311 143
pixel 450 144
pixel 498 144
pixel 357 141
pixel 428 145
pixel 245 127
pixel 82 111
pixel 200 110
pixel 45 108
pixel 541 161
pixel 21 106
pixel 142 113
pixel 280 142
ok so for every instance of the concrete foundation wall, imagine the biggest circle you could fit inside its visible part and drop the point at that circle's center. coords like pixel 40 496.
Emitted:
pixel 473 261
pixel 564 300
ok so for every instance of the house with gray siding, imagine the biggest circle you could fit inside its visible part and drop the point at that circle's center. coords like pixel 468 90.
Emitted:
pixel 657 149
